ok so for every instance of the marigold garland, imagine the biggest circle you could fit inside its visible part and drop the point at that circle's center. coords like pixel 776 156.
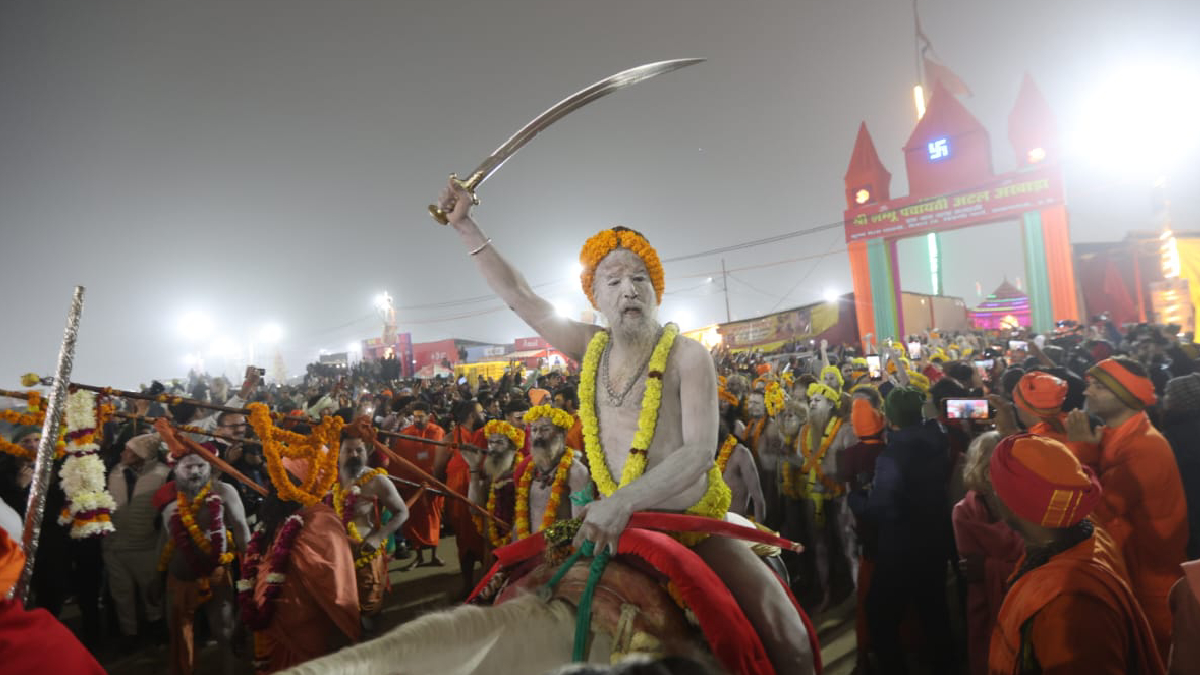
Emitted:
pixel 344 501
pixel 494 427
pixel 320 448
pixel 811 470
pixel 557 489
pixel 725 451
pixel 724 395
pixel 716 499
pixel 604 242
pixel 561 418
pixel 773 398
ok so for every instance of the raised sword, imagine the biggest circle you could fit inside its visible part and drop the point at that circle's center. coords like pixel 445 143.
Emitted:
pixel 561 109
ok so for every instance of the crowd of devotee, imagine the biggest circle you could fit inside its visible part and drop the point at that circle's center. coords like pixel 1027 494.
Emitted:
pixel 1050 526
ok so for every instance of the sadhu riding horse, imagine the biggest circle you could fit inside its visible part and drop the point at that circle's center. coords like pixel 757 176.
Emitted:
pixel 654 566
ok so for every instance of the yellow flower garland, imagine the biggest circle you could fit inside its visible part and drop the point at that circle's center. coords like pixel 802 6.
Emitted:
pixel 517 436
pixel 560 418
pixel 493 531
pixel 716 499
pixel 603 242
pixel 773 398
pixel 726 450
pixel 557 489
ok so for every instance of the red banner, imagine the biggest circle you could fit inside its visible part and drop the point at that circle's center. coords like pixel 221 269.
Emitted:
pixel 1006 198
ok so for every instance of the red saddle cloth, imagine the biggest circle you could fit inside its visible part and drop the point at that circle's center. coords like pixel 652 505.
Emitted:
pixel 730 636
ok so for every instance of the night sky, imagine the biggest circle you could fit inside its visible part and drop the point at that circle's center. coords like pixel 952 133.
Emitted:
pixel 270 162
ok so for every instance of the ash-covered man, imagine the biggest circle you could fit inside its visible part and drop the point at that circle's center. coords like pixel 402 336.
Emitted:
pixel 201 529
pixel 359 497
pixel 553 484
pixel 492 482
pixel 649 408
pixel 741 475
pixel 818 512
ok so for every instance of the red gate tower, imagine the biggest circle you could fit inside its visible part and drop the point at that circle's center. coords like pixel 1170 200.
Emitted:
pixel 951 186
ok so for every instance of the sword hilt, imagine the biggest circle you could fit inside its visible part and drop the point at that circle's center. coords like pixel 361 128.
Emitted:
pixel 469 185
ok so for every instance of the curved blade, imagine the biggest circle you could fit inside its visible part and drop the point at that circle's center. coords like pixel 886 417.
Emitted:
pixel 570 104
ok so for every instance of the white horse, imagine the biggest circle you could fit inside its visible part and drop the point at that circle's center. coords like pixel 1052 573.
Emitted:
pixel 524 635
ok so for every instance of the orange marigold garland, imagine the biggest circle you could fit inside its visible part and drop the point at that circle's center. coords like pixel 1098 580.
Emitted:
pixel 557 489
pixel 320 448
pixel 604 242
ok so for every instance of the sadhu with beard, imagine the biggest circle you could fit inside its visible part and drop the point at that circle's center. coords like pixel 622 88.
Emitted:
pixel 780 439
pixel 201 529
pixel 817 513
pixel 360 496
pixel 492 479
pixel 553 484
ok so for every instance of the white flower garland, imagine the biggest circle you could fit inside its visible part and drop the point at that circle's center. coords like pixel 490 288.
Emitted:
pixel 89 505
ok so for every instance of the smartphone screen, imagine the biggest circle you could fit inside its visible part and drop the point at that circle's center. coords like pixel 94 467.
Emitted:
pixel 914 350
pixel 873 366
pixel 1018 345
pixel 967 408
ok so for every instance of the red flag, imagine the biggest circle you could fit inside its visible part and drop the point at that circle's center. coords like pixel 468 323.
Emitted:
pixel 936 72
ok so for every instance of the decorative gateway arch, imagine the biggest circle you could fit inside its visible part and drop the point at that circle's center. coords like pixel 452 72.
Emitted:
pixel 951 185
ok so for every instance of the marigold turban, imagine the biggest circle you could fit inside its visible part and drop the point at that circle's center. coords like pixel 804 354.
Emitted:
pixel 502 428
pixel 1041 481
pixel 561 418
pixel 866 420
pixel 859 364
pixel 1135 391
pixel 1040 393
pixel 604 242
pixel 822 389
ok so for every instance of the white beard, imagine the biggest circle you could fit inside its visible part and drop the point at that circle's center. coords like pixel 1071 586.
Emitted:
pixel 494 467
pixel 544 458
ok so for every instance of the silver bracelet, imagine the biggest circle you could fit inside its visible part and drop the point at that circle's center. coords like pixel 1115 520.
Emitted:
pixel 481 247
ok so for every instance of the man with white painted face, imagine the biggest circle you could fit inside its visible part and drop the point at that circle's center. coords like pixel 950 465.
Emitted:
pixel 648 404
pixel 202 528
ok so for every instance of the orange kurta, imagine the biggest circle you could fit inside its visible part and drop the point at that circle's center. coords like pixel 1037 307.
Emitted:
pixel 1074 614
pixel 425 515
pixel 1145 511
pixel 317 600
pixel 458 478
pixel 575 434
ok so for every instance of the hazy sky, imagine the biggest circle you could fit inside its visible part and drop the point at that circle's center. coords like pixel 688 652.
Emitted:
pixel 271 161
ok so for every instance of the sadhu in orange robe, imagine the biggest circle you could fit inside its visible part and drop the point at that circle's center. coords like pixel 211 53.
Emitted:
pixel 1074 614
pixel 317 608
pixel 425 515
pixel 1145 511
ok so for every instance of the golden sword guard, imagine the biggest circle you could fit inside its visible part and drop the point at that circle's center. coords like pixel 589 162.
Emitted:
pixel 469 185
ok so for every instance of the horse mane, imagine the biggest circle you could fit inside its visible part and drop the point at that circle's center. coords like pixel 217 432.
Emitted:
pixel 471 632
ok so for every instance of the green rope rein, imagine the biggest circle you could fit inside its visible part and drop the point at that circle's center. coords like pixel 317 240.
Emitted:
pixel 583 616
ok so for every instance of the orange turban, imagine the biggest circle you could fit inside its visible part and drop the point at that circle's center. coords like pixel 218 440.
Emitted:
pixel 866 420
pixel 1041 394
pixel 1135 391
pixel 1041 481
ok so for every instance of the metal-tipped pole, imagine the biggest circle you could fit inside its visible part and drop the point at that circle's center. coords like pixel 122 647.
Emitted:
pixel 43 466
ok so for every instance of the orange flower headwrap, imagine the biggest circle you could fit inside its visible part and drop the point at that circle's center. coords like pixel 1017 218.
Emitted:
pixel 1041 394
pixel 1135 391
pixel 604 242
pixel 1040 481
